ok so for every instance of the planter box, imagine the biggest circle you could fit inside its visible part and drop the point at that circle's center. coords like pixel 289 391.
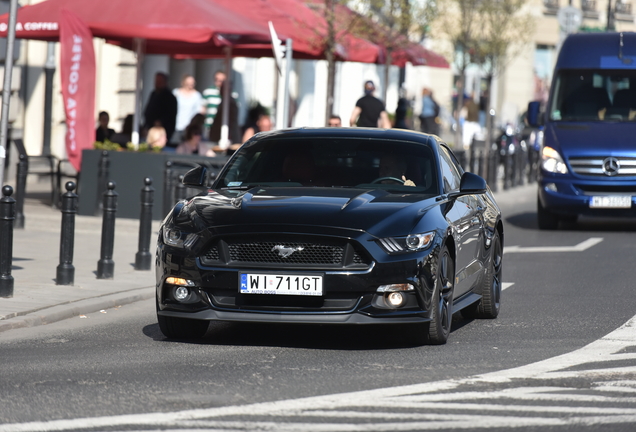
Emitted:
pixel 128 170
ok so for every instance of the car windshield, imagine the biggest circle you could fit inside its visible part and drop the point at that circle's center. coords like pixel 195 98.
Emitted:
pixel 594 95
pixel 396 166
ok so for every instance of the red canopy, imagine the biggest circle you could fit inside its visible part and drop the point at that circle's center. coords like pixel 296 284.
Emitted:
pixel 167 26
pixel 295 20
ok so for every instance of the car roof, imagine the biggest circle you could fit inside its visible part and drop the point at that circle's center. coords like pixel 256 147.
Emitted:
pixel 345 132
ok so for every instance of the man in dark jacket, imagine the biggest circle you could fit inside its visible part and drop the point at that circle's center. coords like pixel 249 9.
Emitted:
pixel 369 110
pixel 161 106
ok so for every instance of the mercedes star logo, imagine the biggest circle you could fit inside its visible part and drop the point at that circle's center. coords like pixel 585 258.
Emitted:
pixel 611 166
pixel 285 251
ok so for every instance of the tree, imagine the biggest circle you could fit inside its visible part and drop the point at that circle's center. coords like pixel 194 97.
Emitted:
pixel 505 29
pixel 487 33
pixel 459 21
pixel 394 25
pixel 390 24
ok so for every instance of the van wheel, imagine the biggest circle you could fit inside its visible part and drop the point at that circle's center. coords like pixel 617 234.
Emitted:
pixel 545 219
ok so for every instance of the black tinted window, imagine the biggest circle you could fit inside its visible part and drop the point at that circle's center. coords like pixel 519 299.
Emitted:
pixel 451 174
pixel 336 162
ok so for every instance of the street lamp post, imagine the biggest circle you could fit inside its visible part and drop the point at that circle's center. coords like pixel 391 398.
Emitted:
pixel 610 17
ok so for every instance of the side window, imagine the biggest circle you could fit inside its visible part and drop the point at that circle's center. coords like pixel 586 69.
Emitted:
pixel 450 172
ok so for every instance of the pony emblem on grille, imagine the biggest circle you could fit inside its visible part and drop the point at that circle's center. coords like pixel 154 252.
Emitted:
pixel 285 251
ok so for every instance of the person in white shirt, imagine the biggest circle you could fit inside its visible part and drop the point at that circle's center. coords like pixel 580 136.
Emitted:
pixel 189 104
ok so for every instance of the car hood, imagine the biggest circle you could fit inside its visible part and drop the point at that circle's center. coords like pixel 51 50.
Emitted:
pixel 592 139
pixel 377 211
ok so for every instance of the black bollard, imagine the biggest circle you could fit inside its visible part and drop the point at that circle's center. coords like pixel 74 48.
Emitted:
pixel 7 216
pixel 65 270
pixel 106 265
pixel 20 190
pixel 102 179
pixel 493 170
pixel 143 258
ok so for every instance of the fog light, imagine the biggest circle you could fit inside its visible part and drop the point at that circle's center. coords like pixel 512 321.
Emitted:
pixel 395 299
pixel 551 187
pixel 181 293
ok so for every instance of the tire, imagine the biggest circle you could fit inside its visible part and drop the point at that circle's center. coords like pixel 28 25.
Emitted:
pixel 545 219
pixel 489 305
pixel 182 328
pixel 442 300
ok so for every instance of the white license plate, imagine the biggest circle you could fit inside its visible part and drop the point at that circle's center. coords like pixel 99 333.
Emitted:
pixel 611 201
pixel 285 284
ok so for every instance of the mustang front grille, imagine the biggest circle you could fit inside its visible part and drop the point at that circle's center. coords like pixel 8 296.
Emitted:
pixel 285 254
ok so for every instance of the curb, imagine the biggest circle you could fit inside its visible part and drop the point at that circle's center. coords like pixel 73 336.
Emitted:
pixel 64 311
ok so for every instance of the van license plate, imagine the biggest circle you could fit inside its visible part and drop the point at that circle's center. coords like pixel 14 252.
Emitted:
pixel 609 201
pixel 285 284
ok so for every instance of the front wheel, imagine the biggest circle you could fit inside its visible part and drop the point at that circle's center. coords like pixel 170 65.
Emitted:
pixel 182 328
pixel 546 219
pixel 442 301
pixel 490 303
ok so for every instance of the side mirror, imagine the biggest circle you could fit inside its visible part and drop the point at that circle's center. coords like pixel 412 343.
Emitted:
pixel 196 177
pixel 534 114
pixel 472 184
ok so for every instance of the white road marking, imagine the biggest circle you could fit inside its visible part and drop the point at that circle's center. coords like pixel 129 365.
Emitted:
pixel 584 245
pixel 503 392
pixel 506 285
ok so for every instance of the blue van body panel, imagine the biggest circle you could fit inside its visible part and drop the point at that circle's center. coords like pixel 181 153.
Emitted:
pixel 592 139
pixel 597 51
pixel 570 194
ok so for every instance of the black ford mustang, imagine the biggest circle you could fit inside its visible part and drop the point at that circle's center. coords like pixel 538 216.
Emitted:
pixel 332 226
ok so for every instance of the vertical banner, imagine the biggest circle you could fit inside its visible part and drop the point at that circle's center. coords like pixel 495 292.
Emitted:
pixel 77 68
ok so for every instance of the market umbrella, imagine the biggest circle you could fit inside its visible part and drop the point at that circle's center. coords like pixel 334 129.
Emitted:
pixel 306 27
pixel 146 26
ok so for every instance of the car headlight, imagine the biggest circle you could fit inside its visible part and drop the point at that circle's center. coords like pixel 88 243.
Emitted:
pixel 551 161
pixel 176 238
pixel 409 243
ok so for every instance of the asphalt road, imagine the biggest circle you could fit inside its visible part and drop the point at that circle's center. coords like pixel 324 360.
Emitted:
pixel 565 291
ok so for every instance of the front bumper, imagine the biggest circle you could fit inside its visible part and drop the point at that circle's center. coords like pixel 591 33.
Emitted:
pixel 569 196
pixel 349 297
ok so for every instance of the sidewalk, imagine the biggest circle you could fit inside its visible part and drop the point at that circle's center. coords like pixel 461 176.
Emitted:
pixel 37 300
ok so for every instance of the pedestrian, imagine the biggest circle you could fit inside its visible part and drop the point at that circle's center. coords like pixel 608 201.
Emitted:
pixel 212 98
pixel 471 127
pixel 334 121
pixel 401 112
pixel 125 136
pixel 192 139
pixel 189 104
pixel 103 132
pixel 234 131
pixel 262 124
pixel 429 116
pixel 369 110
pixel 157 137
pixel 161 106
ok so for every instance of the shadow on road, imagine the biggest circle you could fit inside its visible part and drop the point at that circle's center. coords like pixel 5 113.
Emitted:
pixel 310 336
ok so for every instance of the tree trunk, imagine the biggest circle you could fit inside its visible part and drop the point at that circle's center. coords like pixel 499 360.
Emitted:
pixel 459 143
pixel 331 57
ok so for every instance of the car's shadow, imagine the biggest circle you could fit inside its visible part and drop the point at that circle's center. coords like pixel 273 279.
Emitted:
pixel 528 220
pixel 309 336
